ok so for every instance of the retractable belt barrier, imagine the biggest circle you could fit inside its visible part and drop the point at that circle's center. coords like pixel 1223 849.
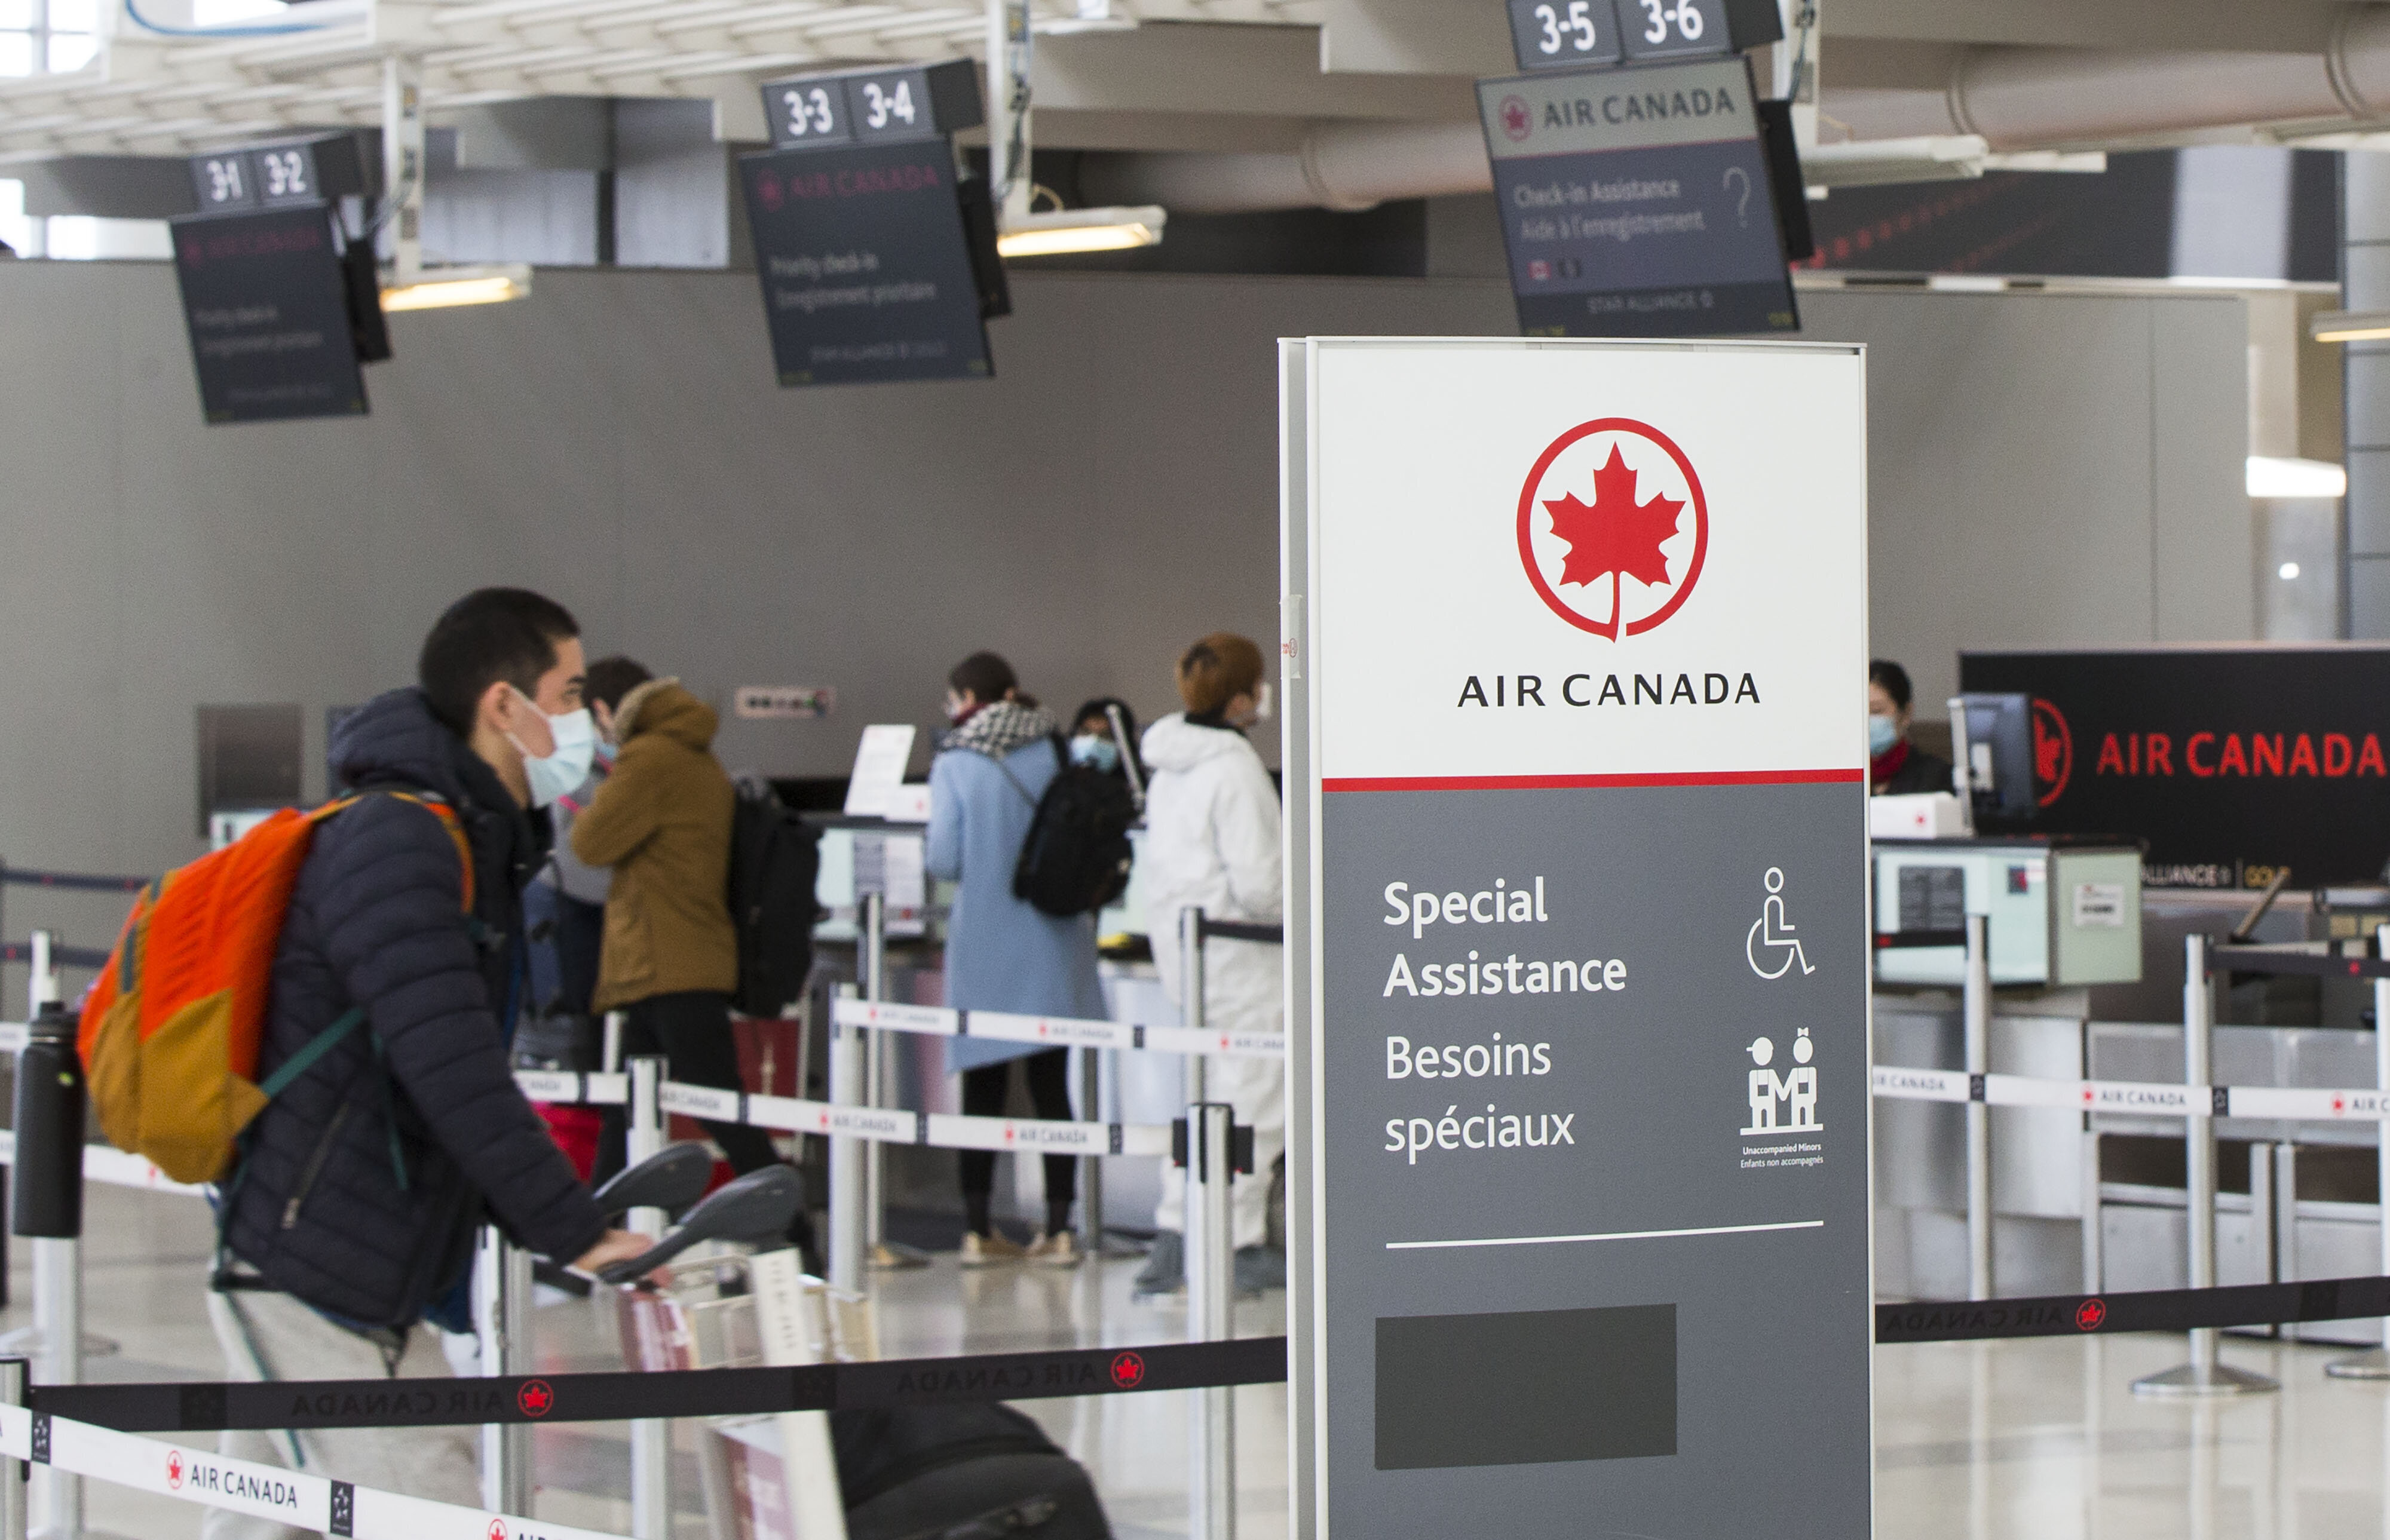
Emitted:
pixel 940 1130
pixel 89 882
pixel 623 1397
pixel 1040 1375
pixel 2153 1098
pixel 1060 1032
pixel 2149 1310
pixel 315 1504
pixel 60 957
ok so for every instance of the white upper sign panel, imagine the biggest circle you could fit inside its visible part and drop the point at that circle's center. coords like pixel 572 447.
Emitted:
pixel 1564 562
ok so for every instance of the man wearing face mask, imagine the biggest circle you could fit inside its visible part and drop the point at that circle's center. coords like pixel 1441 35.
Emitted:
pixel 661 822
pixel 1094 742
pixel 349 1219
pixel 1899 766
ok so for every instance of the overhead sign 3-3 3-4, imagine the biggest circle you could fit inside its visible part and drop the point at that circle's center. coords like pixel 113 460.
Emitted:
pixel 1645 190
pixel 877 261
pixel 281 302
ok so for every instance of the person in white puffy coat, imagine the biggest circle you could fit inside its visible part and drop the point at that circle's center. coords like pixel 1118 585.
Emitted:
pixel 1212 838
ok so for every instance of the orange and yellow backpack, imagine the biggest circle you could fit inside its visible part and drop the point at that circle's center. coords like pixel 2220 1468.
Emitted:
pixel 170 1032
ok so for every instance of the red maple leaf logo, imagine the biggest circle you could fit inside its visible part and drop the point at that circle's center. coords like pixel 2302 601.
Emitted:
pixel 1565 541
pixel 1128 1371
pixel 1615 536
pixel 535 1398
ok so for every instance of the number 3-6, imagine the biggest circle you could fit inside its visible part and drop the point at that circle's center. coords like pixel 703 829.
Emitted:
pixel 1686 16
pixel 1580 22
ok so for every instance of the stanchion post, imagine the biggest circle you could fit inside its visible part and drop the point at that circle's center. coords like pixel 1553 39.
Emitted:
pixel 872 948
pixel 46 1187
pixel 1210 1304
pixel 652 1510
pixel 846 1157
pixel 2376 1363
pixel 1977 1009
pixel 13 1376
pixel 502 1285
pixel 1190 991
pixel 1091 1166
pixel 871 954
pixel 1211 1260
pixel 2204 1375
pixel 42 982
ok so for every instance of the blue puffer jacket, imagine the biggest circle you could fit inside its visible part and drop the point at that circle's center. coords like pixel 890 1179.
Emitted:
pixel 318 1207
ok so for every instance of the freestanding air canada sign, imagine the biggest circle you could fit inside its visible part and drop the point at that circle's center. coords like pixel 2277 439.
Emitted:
pixel 1578 941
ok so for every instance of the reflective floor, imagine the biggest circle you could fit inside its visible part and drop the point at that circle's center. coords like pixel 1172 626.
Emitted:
pixel 2023 1440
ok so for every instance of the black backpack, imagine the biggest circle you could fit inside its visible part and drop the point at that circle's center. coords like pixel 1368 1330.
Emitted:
pixel 775 857
pixel 1076 857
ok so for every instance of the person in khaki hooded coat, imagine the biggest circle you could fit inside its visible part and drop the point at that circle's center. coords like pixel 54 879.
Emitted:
pixel 661 821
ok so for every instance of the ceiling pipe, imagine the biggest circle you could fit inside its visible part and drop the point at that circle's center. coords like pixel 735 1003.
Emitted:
pixel 1342 166
pixel 2021 98
pixel 2014 99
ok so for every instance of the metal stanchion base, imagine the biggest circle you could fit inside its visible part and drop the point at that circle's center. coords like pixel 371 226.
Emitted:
pixel 889 1256
pixel 2190 1379
pixel 2373 1364
pixel 33 1341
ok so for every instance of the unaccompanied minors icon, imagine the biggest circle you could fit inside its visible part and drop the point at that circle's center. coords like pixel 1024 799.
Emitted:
pixel 1796 1088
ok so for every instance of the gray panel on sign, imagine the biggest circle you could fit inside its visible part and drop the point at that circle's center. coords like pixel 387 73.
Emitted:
pixel 1932 898
pixel 1526 1387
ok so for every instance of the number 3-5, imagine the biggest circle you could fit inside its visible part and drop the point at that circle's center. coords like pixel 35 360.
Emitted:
pixel 1579 22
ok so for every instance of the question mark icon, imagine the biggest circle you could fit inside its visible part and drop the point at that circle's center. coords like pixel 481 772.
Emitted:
pixel 1742 204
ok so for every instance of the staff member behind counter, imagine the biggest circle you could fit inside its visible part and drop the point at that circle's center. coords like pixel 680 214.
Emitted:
pixel 1899 766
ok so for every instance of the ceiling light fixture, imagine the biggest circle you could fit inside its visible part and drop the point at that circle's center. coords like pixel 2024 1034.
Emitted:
pixel 2275 476
pixel 439 287
pixel 2349 325
pixel 1081 230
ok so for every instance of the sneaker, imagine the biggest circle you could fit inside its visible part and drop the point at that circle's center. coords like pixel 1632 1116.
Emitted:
pixel 1059 1249
pixel 987 1251
pixel 1260 1268
pixel 1165 1266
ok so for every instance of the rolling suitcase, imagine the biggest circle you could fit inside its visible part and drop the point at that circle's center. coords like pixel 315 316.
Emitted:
pixel 983 1472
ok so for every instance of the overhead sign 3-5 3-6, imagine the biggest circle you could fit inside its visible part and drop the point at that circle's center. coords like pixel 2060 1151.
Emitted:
pixel 1578 852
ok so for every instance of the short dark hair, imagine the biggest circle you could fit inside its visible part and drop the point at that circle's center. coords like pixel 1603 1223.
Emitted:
pixel 491 635
pixel 611 678
pixel 1894 680
pixel 984 676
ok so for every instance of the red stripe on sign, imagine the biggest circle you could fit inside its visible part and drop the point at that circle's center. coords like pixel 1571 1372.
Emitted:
pixel 1566 783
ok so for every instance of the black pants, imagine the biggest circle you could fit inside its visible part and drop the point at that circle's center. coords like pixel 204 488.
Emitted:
pixel 1049 1092
pixel 692 1031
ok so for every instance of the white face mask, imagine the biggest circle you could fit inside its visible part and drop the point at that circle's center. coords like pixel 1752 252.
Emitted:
pixel 1262 702
pixel 567 766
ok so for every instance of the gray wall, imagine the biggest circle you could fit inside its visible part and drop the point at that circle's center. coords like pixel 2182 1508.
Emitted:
pixel 2050 471
pixel 2047 471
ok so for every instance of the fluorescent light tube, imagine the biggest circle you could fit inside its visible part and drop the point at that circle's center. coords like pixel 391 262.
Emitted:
pixel 2274 475
pixel 438 288
pixel 2349 325
pixel 1081 230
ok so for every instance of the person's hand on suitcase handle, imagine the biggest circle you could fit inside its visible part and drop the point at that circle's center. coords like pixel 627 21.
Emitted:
pixel 613 1247
pixel 755 1209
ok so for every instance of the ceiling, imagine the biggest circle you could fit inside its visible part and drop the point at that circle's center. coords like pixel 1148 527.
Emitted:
pixel 1217 75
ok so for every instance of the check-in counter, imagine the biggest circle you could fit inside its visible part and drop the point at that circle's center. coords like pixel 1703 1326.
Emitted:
pixel 2058 912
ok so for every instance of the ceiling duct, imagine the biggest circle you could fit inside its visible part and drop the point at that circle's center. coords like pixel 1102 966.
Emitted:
pixel 2011 98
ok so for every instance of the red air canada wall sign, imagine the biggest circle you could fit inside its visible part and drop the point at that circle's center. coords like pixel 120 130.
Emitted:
pixel 2231 763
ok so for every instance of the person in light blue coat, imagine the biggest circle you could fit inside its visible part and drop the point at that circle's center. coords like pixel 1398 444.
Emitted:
pixel 1002 953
